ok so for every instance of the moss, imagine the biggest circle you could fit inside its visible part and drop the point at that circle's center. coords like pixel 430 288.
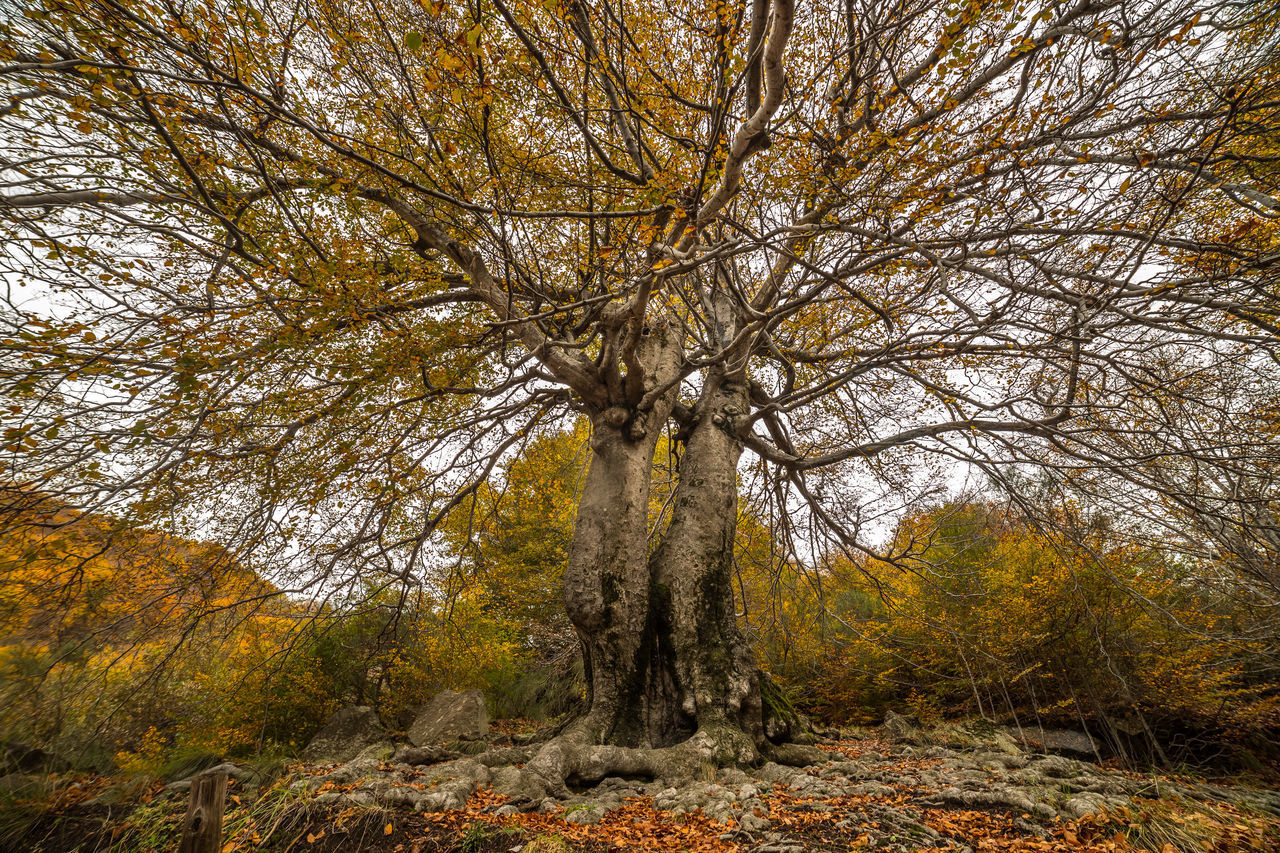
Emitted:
pixel 780 716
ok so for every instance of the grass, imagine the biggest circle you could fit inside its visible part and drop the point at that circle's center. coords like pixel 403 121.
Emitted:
pixel 1176 825
pixel 479 833
pixel 21 807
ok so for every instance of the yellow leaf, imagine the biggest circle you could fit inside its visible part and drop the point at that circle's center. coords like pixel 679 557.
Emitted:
pixel 387 830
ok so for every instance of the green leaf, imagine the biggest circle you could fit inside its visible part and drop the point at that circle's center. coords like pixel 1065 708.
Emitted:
pixel 413 41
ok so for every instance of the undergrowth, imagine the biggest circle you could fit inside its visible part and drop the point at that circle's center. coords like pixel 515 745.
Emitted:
pixel 1177 825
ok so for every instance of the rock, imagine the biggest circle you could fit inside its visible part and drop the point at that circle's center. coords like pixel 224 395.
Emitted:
pixel 1063 741
pixel 849 769
pixel 774 772
pixel 400 795
pixel 344 735
pixel 732 776
pixel 900 728
pixel 359 798
pixel 243 775
pixel 445 798
pixel 811 785
pixel 798 755
pixel 586 816
pixel 1001 760
pixel 451 716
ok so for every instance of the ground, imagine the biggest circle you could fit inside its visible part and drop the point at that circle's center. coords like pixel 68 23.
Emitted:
pixel 867 793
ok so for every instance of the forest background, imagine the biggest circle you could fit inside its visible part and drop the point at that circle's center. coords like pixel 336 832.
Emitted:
pixel 993 616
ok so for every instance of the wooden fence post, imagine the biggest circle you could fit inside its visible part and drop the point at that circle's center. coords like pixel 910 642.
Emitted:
pixel 202 827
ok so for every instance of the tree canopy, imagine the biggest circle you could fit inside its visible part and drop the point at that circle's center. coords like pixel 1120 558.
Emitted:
pixel 299 275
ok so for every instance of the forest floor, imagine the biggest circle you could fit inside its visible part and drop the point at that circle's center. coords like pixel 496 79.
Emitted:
pixel 869 794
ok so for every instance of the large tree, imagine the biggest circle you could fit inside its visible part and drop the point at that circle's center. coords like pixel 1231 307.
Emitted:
pixel 300 274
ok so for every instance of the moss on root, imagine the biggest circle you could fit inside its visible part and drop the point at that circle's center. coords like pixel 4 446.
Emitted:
pixel 782 723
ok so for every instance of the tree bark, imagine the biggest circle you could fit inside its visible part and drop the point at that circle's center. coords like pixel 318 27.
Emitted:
pixel 665 659
pixel 716 679
pixel 202 826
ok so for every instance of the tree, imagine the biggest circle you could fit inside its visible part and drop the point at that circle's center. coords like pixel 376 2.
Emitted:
pixel 304 273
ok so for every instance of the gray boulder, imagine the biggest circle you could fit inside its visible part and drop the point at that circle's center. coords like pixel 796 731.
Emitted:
pixel 900 728
pixel 451 716
pixel 345 735
pixel 1064 741
pixel 798 755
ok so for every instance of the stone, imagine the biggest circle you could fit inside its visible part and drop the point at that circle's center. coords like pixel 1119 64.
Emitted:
pixel 451 716
pixel 899 727
pixel 400 795
pixel 1064 741
pixel 344 735
pixel 774 772
pixel 798 755
pixel 380 751
pixel 849 769
pixel 586 816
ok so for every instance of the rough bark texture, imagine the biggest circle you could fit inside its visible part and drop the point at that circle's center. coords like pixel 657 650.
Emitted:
pixel 665 661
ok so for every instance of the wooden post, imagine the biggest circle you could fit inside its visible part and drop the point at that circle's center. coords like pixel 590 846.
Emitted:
pixel 202 827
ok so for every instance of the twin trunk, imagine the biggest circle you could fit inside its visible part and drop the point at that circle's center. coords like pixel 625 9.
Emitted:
pixel 664 656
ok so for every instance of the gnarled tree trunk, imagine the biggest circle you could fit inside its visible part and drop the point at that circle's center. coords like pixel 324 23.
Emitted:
pixel 665 659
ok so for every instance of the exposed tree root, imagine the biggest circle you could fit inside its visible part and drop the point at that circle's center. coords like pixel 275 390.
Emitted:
pixel 574 758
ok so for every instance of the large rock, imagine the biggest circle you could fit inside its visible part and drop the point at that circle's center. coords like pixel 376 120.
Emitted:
pixel 451 716
pixel 899 728
pixel 1064 741
pixel 345 735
